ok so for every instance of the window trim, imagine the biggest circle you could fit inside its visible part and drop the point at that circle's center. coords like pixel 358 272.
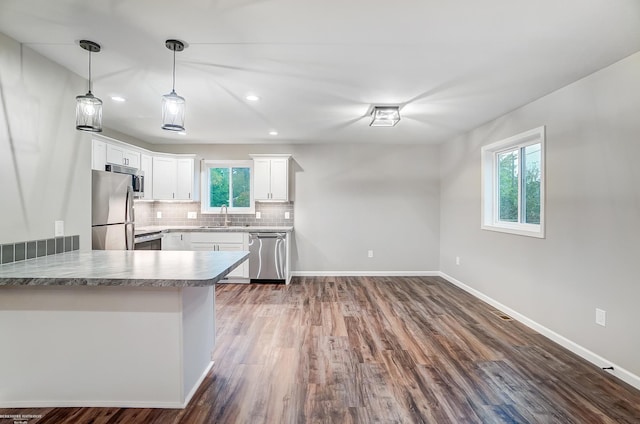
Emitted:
pixel 205 191
pixel 489 191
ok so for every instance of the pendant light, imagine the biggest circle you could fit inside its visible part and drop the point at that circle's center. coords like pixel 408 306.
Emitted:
pixel 89 107
pixel 172 104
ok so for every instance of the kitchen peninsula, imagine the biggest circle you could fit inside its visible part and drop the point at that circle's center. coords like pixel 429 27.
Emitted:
pixel 119 328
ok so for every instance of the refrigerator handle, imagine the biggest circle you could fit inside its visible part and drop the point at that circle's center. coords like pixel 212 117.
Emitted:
pixel 129 236
pixel 129 206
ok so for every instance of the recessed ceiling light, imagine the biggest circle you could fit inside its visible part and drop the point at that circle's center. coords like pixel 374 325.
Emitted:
pixel 118 99
pixel 273 132
pixel 182 132
pixel 252 98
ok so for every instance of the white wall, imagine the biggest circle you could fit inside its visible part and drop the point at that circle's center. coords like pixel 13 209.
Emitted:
pixel 590 255
pixel 44 162
pixel 351 198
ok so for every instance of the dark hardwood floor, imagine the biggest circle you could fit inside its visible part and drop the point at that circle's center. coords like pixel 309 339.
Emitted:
pixel 379 350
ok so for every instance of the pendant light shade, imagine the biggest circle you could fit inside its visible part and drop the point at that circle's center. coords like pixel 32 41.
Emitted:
pixel 172 104
pixel 88 106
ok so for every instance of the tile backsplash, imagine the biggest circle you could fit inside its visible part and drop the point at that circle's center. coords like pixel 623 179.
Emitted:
pixel 175 213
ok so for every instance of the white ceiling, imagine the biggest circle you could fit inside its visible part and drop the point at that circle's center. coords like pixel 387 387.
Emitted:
pixel 318 66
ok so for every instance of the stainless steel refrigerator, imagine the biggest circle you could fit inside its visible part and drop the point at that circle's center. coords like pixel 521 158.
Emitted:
pixel 112 220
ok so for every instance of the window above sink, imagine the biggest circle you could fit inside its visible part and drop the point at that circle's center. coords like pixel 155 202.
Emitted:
pixel 227 183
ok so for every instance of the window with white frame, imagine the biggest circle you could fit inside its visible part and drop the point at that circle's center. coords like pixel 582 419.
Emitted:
pixel 513 184
pixel 227 183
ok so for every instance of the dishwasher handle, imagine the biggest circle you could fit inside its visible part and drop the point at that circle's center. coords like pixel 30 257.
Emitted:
pixel 267 235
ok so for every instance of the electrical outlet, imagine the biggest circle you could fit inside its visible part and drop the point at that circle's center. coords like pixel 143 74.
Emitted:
pixel 457 260
pixel 370 253
pixel 158 214
pixel 192 215
pixel 287 215
pixel 601 317
pixel 258 215
pixel 59 229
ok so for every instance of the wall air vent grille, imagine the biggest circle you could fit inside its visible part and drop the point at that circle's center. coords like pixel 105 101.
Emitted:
pixel 502 315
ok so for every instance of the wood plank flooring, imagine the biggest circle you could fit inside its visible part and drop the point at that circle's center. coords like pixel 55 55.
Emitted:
pixel 378 350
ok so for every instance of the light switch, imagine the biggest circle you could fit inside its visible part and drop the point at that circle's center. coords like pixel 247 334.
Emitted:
pixel 258 215
pixel 601 317
pixel 158 214
pixel 287 215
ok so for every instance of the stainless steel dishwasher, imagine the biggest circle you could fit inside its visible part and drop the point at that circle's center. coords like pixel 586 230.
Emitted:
pixel 267 256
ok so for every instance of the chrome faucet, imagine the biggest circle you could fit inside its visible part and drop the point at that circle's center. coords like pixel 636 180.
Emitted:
pixel 226 215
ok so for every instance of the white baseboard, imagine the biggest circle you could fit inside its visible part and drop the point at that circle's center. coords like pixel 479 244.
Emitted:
pixel 619 372
pixel 195 386
pixel 92 404
pixel 365 273
pixel 111 404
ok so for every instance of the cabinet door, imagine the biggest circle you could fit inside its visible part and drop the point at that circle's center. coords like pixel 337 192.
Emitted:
pixel 98 155
pixel 184 178
pixel 279 179
pixel 131 158
pixel 261 179
pixel 146 166
pixel 115 155
pixel 242 271
pixel 164 178
pixel 173 241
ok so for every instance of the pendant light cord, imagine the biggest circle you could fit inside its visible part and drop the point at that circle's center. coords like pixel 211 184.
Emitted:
pixel 89 71
pixel 173 86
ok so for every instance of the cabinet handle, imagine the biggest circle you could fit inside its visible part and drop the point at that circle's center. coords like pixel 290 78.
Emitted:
pixel 189 195
pixel 173 195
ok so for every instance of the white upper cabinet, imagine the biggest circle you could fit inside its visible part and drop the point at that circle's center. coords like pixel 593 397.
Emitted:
pixel 146 166
pixel 119 155
pixel 172 178
pixel 184 179
pixel 261 179
pixel 271 177
pixel 164 178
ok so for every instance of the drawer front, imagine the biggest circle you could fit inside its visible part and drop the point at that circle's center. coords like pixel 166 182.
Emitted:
pixel 217 237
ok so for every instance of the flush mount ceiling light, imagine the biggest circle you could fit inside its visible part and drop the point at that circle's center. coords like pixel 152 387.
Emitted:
pixel 89 107
pixel 118 99
pixel 252 97
pixel 385 116
pixel 172 104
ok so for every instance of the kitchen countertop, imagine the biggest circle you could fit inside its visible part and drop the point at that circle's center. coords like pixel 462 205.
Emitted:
pixel 194 228
pixel 140 268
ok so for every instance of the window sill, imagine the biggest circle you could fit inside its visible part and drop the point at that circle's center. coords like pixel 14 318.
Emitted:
pixel 230 212
pixel 536 231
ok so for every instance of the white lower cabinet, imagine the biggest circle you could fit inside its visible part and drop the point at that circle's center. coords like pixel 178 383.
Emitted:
pixel 221 242
pixel 175 241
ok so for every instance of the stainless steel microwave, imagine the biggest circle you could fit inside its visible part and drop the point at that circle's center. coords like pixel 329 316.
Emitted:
pixel 137 177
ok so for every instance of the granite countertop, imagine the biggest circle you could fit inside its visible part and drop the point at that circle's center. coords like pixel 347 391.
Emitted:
pixel 139 268
pixel 193 228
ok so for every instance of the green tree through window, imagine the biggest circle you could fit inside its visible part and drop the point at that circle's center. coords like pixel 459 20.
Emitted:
pixel 513 184
pixel 508 186
pixel 511 164
pixel 229 186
